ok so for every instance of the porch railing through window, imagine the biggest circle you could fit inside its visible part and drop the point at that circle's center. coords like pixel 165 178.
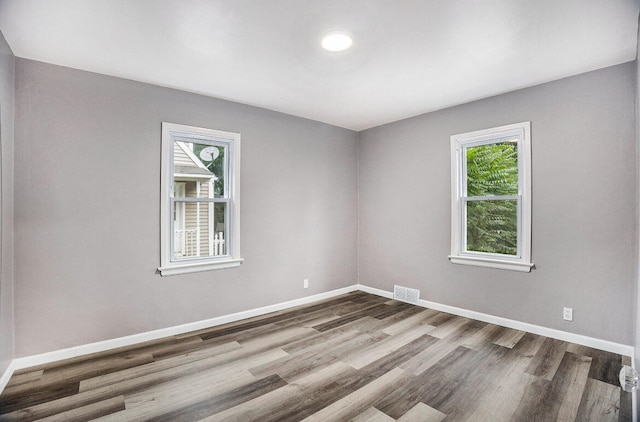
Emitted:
pixel 186 244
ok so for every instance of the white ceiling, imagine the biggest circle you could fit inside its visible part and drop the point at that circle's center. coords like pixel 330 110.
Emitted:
pixel 409 56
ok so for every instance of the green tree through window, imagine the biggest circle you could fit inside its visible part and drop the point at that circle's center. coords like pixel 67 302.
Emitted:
pixel 491 209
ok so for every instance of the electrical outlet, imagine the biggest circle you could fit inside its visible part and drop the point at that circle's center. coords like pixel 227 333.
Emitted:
pixel 567 314
pixel 305 283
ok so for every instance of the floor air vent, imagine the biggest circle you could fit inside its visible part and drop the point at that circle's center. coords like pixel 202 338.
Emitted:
pixel 406 294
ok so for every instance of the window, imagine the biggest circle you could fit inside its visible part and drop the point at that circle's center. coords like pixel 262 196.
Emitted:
pixel 200 212
pixel 491 198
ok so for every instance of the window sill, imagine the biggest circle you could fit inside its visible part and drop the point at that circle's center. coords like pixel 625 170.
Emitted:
pixel 194 267
pixel 491 263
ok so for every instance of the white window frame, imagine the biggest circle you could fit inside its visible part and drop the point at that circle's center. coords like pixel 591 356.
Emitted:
pixel 521 261
pixel 172 132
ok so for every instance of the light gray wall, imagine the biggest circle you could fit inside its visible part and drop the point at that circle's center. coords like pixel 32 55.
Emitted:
pixel 87 198
pixel 583 213
pixel 6 203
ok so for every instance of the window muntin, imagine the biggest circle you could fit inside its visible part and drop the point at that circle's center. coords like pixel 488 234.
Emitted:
pixel 491 198
pixel 200 214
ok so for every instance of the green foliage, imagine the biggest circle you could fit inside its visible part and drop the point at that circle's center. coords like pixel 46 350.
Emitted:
pixel 492 170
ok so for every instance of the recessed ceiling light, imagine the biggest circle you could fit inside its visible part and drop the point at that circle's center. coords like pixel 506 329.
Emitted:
pixel 336 41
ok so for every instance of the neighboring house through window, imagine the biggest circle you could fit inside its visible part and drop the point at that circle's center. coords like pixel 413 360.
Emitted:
pixel 491 198
pixel 200 199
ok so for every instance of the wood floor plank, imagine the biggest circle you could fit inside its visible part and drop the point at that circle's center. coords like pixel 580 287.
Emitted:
pixel 509 338
pixel 162 399
pixel 392 308
pixel 354 357
pixel 439 318
pixel 451 326
pixel 605 366
pixel 404 314
pixel 546 362
pixel 600 402
pixel 294 366
pixel 226 400
pixel 25 378
pixel 288 399
pixel 423 413
pixel 487 334
pixel 427 358
pixel 367 324
pixel 167 345
pixel 502 396
pixel 318 340
pixel 141 370
pixel 318 316
pixel 358 401
pixel 63 380
pixel 408 395
pixel 372 415
pixel 89 412
pixel 239 359
pixel 407 323
pixel 575 378
pixel 16 401
pixel 369 354
pixel 557 400
pixel 529 345
pixel 626 406
pixel 388 362
pixel 464 384
pixel 354 316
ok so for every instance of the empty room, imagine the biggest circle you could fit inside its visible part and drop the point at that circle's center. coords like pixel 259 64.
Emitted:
pixel 329 210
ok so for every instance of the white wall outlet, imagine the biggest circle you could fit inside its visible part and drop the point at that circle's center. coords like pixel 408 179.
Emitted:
pixel 567 314
pixel 305 283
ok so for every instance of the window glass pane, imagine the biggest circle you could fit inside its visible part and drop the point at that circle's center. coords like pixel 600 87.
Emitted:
pixel 199 229
pixel 201 167
pixel 492 226
pixel 213 157
pixel 193 189
pixel 492 169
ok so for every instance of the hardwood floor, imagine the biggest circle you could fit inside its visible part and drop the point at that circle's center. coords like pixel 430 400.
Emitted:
pixel 356 357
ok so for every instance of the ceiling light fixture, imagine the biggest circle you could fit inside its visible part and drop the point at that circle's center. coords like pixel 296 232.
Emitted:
pixel 336 41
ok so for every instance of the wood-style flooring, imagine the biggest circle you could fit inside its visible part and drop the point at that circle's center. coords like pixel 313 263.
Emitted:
pixel 356 357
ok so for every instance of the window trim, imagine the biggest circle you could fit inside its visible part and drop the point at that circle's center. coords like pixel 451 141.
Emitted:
pixel 522 261
pixel 172 132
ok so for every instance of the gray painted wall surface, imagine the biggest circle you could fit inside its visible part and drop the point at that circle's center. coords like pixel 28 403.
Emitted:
pixel 583 213
pixel 6 203
pixel 88 192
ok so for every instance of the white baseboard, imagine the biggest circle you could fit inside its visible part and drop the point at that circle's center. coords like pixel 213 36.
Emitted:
pixel 6 376
pixel 609 346
pixel 101 346
pixel 54 356
pixel 375 291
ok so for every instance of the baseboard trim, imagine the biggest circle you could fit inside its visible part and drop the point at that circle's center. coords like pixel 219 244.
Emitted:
pixel 101 346
pixel 6 376
pixel 621 349
pixel 374 291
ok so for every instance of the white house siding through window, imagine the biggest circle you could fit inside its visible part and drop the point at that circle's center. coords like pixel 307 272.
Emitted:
pixel 198 227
